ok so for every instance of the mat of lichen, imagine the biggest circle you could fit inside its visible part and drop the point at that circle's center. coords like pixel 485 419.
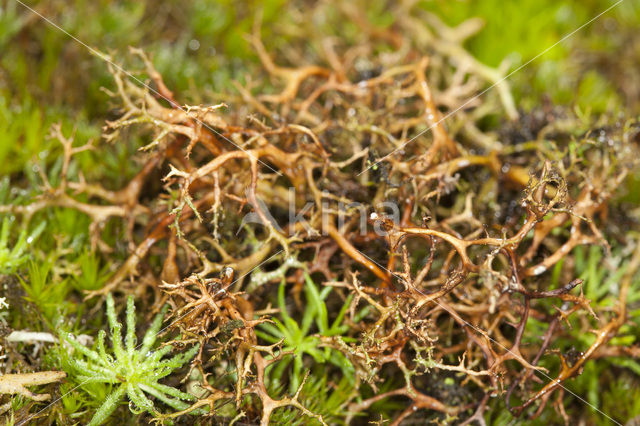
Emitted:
pixel 356 213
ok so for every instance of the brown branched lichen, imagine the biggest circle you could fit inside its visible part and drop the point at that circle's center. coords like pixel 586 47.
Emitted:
pixel 447 286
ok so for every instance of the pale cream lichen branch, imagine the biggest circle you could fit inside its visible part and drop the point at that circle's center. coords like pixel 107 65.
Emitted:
pixel 13 384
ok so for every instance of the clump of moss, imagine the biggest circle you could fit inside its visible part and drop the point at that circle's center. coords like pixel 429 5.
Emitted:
pixel 131 369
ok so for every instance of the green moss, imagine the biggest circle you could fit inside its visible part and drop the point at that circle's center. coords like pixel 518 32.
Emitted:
pixel 130 369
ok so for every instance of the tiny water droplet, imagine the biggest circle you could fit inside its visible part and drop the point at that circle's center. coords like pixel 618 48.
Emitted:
pixel 194 44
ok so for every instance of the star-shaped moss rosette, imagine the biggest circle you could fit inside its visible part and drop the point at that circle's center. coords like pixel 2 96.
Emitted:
pixel 132 370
